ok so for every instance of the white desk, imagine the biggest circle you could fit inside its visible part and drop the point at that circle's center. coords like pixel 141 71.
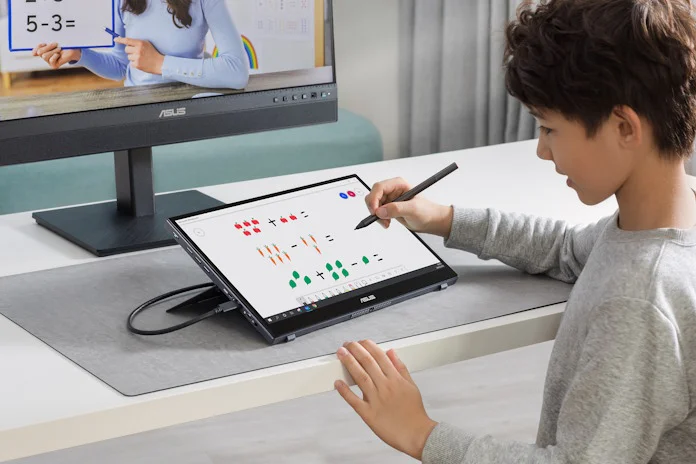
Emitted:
pixel 48 403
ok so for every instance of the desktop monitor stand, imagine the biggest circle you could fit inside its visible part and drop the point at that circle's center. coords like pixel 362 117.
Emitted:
pixel 135 221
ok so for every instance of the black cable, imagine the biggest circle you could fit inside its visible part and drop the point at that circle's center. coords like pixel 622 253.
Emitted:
pixel 218 310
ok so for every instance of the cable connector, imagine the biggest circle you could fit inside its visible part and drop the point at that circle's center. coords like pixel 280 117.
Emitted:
pixel 227 307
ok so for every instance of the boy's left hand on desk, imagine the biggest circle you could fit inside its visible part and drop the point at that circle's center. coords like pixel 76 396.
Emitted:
pixel 142 55
pixel 391 405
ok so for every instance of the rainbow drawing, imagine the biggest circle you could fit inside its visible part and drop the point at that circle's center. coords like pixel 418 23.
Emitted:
pixel 251 53
pixel 248 48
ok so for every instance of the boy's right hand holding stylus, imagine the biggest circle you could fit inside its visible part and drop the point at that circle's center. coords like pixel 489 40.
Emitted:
pixel 418 214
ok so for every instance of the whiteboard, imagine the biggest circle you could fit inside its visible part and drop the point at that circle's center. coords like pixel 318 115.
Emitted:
pixel 71 23
pixel 279 33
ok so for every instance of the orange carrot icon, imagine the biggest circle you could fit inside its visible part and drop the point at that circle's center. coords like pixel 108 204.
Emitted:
pixel 260 252
pixel 287 256
pixel 304 241
pixel 279 258
pixel 274 263
pixel 276 248
pixel 268 250
pixel 313 239
pixel 317 248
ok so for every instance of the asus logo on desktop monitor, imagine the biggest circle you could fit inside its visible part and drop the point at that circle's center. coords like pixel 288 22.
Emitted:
pixel 172 113
pixel 367 298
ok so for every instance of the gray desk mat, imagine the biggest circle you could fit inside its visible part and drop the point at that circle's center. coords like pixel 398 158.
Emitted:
pixel 80 311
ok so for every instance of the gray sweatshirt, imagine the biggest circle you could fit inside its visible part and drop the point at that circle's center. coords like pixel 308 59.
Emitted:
pixel 621 382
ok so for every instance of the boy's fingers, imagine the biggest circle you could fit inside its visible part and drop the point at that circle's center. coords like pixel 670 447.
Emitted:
pixel 356 371
pixel 378 354
pixel 394 210
pixel 400 366
pixel 367 361
pixel 385 191
pixel 351 398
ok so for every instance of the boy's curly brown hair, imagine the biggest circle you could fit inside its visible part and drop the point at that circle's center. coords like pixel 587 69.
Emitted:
pixel 583 58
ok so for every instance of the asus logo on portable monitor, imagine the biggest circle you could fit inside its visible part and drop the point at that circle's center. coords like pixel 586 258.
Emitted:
pixel 173 113
pixel 367 298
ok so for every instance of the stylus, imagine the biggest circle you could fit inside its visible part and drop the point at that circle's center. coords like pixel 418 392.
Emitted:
pixel 112 33
pixel 413 192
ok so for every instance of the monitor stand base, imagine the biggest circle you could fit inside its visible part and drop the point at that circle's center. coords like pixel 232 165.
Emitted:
pixel 135 221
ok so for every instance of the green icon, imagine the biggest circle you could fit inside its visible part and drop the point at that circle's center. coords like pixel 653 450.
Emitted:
pixel 335 276
pixel 329 267
pixel 345 273
pixel 307 280
pixel 296 275
pixel 339 265
pixel 293 284
pixel 365 260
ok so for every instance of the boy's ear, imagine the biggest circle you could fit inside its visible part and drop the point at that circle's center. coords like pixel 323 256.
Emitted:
pixel 629 127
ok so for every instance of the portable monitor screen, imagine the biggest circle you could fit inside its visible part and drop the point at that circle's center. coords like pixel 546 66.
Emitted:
pixel 298 252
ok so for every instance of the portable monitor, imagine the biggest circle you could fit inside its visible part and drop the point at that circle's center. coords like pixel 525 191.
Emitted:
pixel 295 262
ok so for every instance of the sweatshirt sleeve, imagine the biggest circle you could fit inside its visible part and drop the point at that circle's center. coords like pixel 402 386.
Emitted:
pixel 532 244
pixel 230 70
pixel 629 389
pixel 111 64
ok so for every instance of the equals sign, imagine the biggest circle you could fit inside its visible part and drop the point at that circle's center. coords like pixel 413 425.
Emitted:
pixel 329 238
pixel 70 23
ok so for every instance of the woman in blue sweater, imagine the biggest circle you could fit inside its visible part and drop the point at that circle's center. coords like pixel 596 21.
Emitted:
pixel 163 41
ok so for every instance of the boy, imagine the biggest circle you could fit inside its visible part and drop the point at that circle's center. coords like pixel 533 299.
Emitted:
pixel 613 85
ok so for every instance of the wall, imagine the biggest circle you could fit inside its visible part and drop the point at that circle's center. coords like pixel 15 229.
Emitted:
pixel 367 58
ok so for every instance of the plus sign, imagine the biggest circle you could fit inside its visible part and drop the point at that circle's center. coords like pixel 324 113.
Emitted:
pixel 272 221
pixel 320 274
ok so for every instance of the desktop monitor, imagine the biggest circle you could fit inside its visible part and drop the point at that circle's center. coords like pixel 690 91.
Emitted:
pixel 127 75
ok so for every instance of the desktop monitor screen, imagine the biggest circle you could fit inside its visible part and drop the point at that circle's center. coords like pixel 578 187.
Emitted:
pixel 118 74
pixel 92 76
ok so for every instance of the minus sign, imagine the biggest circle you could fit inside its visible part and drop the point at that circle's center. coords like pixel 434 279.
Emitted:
pixel 294 246
pixel 44 24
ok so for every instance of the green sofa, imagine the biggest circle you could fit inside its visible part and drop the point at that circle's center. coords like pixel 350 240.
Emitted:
pixel 49 184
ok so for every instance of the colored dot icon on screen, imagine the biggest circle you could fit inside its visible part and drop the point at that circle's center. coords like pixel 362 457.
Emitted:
pixel 283 220
pixel 339 265
pixel 307 280
pixel 345 273
pixel 247 223
pixel 296 275
pixel 238 226
pixel 343 195
pixel 335 276
pixel 351 194
pixel 293 217
pixel 293 284
pixel 365 260
pixel 255 222
pixel 247 233
pixel 329 267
